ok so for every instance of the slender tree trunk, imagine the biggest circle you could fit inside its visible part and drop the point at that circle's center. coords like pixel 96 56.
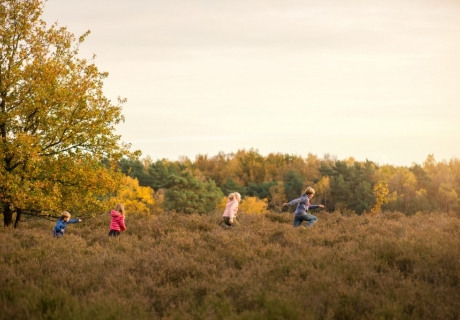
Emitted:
pixel 18 218
pixel 7 215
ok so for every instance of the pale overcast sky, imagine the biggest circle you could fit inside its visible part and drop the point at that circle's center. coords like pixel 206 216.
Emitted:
pixel 377 80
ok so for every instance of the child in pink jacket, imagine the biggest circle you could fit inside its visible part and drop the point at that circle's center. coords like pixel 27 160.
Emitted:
pixel 231 209
pixel 117 224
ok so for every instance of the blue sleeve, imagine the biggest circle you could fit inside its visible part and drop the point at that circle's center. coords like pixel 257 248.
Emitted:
pixel 73 221
pixel 313 206
pixel 57 228
pixel 294 201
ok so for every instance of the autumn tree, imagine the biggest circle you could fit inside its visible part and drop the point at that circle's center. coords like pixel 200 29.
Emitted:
pixel 138 199
pixel 312 164
pixel 254 205
pixel 218 168
pixel 404 183
pixel 381 192
pixel 323 190
pixel 252 166
pixel 445 186
pixel 56 125
pixel 277 196
pixel 274 162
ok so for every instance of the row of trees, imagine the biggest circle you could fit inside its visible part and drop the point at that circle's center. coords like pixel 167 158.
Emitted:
pixel 195 186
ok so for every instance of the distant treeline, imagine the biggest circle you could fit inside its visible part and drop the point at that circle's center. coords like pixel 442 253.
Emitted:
pixel 346 185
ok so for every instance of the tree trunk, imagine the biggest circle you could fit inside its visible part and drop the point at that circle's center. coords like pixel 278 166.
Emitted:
pixel 18 218
pixel 7 215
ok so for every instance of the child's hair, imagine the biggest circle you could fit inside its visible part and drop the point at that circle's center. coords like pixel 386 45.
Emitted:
pixel 120 208
pixel 309 191
pixel 231 196
pixel 237 196
pixel 65 214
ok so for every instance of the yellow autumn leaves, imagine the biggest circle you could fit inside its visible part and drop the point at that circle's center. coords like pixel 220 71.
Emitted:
pixel 249 205
pixel 137 199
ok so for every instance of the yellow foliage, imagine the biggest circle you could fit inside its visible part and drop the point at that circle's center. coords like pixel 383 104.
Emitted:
pixel 381 196
pixel 254 205
pixel 223 203
pixel 136 199
pixel 323 189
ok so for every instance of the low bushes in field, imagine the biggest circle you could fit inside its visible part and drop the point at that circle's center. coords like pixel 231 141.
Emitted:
pixel 176 266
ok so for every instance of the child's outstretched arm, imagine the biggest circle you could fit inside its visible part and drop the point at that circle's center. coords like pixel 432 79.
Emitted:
pixel 290 203
pixel 315 206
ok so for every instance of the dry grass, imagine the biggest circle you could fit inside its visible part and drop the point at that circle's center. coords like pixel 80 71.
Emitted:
pixel 186 267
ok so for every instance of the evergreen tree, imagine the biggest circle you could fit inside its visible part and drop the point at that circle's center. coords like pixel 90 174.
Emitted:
pixel 365 197
pixel 293 184
pixel 136 169
pixel 232 186
pixel 259 190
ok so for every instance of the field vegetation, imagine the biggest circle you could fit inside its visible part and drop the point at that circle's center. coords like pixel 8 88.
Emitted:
pixel 176 266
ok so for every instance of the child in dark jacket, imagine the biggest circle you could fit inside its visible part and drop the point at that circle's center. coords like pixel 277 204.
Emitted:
pixel 303 205
pixel 117 224
pixel 61 224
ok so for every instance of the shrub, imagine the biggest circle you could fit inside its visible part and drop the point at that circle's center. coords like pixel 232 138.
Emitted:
pixel 254 205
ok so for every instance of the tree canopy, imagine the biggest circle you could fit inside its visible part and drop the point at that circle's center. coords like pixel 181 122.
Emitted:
pixel 56 125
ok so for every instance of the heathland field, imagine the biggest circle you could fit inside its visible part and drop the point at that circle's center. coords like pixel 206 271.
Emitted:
pixel 176 266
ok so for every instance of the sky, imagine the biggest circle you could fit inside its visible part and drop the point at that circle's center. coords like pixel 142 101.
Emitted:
pixel 376 80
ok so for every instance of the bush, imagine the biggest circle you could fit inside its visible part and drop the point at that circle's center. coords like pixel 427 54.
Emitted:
pixel 254 205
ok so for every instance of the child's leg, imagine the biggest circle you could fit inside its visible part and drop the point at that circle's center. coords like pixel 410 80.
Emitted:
pixel 311 219
pixel 297 221
pixel 114 233
pixel 227 221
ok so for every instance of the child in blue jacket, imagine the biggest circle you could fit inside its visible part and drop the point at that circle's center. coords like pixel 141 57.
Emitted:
pixel 61 224
pixel 303 205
